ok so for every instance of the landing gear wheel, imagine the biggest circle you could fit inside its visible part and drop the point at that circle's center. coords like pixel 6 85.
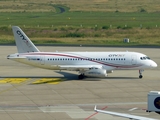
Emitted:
pixel 81 76
pixel 140 76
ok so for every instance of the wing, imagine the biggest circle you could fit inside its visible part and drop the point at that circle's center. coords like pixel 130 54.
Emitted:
pixel 78 67
pixel 134 117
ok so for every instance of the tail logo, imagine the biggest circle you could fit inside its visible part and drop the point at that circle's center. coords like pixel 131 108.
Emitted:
pixel 23 38
pixel 21 35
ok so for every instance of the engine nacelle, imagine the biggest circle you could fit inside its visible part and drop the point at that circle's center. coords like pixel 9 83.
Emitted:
pixel 96 72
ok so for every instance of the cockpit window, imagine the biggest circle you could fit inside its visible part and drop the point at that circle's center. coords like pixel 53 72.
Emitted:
pixel 148 58
pixel 145 58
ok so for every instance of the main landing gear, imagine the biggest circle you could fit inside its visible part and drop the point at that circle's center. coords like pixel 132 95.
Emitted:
pixel 81 76
pixel 140 73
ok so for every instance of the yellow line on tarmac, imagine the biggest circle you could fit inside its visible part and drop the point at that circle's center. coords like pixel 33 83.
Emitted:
pixel 48 81
pixel 10 80
pixel 13 80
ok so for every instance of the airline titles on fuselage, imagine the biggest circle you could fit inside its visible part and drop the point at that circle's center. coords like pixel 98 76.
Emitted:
pixel 116 55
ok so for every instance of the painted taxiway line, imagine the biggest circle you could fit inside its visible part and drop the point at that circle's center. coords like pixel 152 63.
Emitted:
pixel 38 81
pixel 48 81
pixel 13 80
pixel 94 114
pixel 15 86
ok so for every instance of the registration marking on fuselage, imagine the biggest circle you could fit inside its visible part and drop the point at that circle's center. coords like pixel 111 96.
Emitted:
pixel 13 80
pixel 48 81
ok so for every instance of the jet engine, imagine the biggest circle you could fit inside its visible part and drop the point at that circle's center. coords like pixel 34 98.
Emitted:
pixel 96 72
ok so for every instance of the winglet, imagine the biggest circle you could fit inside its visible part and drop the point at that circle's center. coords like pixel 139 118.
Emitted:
pixel 95 108
pixel 24 44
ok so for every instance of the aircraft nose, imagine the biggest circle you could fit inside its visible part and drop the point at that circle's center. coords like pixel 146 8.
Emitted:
pixel 153 64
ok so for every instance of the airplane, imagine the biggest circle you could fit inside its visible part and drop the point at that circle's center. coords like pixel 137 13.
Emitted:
pixel 133 117
pixel 88 64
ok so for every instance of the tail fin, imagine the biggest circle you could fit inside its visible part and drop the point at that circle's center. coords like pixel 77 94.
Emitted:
pixel 24 44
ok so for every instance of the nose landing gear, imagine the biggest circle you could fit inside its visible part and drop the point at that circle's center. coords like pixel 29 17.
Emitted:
pixel 81 76
pixel 140 73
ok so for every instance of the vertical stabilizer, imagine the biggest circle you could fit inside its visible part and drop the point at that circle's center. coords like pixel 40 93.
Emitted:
pixel 24 44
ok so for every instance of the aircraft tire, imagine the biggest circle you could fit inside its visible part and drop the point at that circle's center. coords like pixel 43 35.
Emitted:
pixel 80 76
pixel 140 76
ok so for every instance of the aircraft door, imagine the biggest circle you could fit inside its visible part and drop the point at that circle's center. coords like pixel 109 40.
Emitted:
pixel 42 60
pixel 133 59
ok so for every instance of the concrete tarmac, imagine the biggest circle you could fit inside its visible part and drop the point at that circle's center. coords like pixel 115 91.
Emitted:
pixel 29 93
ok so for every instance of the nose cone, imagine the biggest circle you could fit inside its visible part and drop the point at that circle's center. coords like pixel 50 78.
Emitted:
pixel 153 64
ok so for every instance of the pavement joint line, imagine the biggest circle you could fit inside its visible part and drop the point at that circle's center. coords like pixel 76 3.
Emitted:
pixel 108 104
pixel 20 110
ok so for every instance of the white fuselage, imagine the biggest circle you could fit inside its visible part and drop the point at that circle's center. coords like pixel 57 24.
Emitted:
pixel 90 64
pixel 108 60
